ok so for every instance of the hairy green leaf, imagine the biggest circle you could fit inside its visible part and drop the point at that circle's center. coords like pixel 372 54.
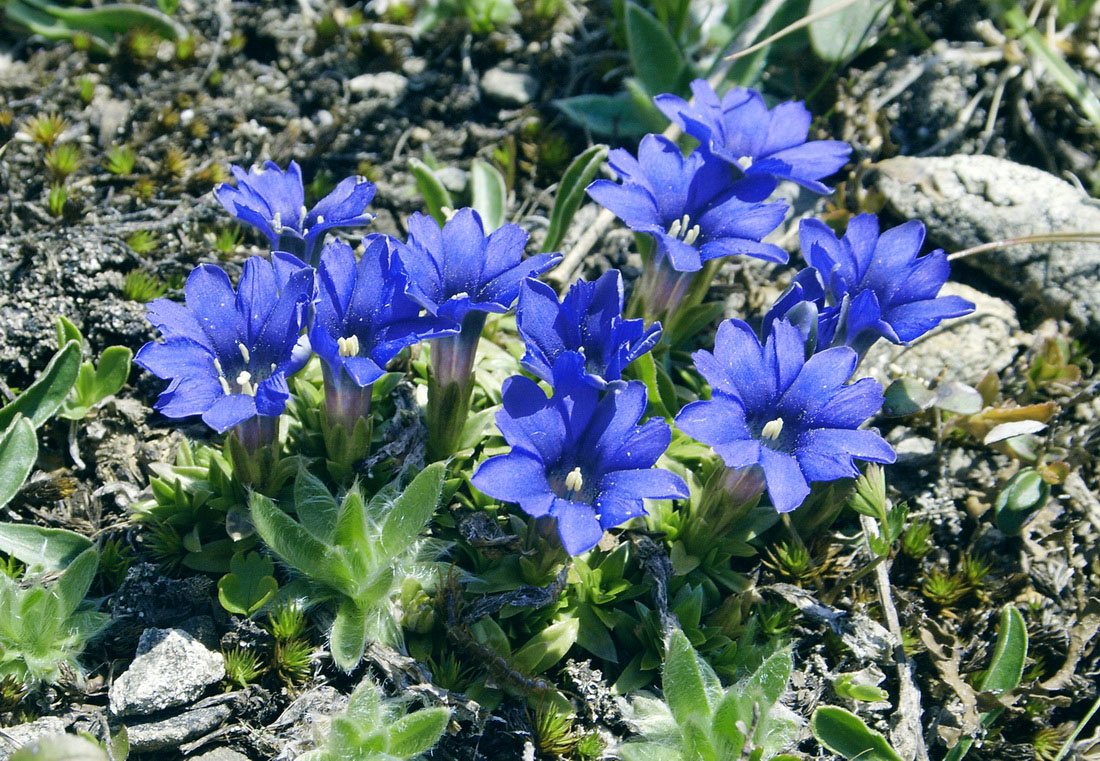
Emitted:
pixel 412 510
pixel 42 398
pixel 654 54
pixel 18 453
pixel 43 549
pixel 348 639
pixel 683 682
pixel 418 732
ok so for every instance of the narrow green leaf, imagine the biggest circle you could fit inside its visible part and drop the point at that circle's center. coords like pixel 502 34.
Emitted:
pixel 416 733
pixel 315 506
pixel 18 453
pixel 1006 668
pixel 75 582
pixel 66 331
pixel 45 549
pixel 654 54
pixel 298 547
pixel 45 395
pixel 436 196
pixel 610 115
pixel 682 682
pixel 547 647
pixel 571 192
pixel 349 635
pixel 489 194
pixel 412 510
pixel 845 734
pixel 60 747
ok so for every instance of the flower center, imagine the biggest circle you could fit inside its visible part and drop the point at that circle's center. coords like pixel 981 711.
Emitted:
pixel 682 229
pixel 772 429
pixel 574 482
pixel 349 347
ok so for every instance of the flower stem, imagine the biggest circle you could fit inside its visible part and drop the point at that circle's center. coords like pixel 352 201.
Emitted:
pixel 450 386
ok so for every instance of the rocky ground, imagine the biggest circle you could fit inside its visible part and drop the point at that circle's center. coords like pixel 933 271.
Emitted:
pixel 963 133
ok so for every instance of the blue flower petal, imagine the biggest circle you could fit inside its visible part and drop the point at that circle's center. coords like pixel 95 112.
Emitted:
pixel 787 486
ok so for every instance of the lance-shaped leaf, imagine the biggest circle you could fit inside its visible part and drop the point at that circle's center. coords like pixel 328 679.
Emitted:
pixel 290 541
pixel 18 453
pixel 42 398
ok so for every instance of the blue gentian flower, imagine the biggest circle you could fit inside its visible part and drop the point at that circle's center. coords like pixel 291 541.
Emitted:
pixel 693 206
pixel 801 304
pixel 229 353
pixel 461 275
pixel 792 416
pixel 588 320
pixel 740 129
pixel 578 457
pixel 363 319
pixel 877 284
pixel 273 201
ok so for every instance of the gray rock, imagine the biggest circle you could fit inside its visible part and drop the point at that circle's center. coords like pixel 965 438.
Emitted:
pixel 511 88
pixel 220 754
pixel 388 84
pixel 174 731
pixel 970 200
pixel 911 449
pixel 14 738
pixel 172 669
pixel 963 349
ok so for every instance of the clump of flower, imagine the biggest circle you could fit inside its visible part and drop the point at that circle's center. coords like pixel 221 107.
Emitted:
pixel 228 353
pixel 794 417
pixel 273 201
pixel 577 458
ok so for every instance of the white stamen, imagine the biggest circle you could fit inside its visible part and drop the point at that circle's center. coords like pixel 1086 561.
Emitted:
pixel 320 219
pixel 679 229
pixel 574 482
pixel 225 384
pixel 218 366
pixel 277 222
pixel 360 179
pixel 301 215
pixel 674 229
pixel 244 380
pixel 772 429
pixel 448 212
pixel 461 295
pixel 349 347
pixel 744 162
pixel 691 235
pixel 244 351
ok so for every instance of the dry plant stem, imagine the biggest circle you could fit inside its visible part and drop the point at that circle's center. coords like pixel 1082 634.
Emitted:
pixel 836 7
pixel 1027 240
pixel 909 707
pixel 850 579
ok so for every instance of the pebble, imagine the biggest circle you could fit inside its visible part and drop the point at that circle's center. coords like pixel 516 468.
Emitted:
pixel 171 669
pixel 388 84
pixel 512 88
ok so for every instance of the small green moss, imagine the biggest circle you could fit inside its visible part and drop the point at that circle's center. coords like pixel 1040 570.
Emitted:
pixel 63 160
pixel 789 559
pixel 56 199
pixel 175 162
pixel 121 159
pixel 142 44
pixel 942 588
pixel 115 558
pixel 12 692
pixel 242 667
pixel 916 541
pixel 86 89
pixel 142 241
pixel 974 568
pixel 228 239
pixel 144 188
pixel 292 660
pixel 554 732
pixel 142 286
pixel 45 129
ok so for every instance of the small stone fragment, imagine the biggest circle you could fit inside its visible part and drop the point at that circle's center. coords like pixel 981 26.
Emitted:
pixel 388 84
pixel 511 88
pixel 172 669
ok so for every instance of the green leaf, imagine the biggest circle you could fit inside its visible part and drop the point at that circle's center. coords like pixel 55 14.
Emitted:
pixel 682 682
pixel 906 396
pixel 1020 499
pixel 1007 665
pixel 571 191
pixel 418 732
pixel 547 647
pixel 75 582
pixel 112 371
pixel 488 193
pixel 349 635
pixel 18 453
pixel 248 585
pixel 60 747
pixel 412 510
pixel 315 506
pixel 45 549
pixel 298 547
pixel 654 54
pixel 643 751
pixel 436 196
pixel 365 703
pixel 839 36
pixel 958 398
pixel 66 331
pixel 611 115
pixel 645 368
pixel 845 734
pixel 42 398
